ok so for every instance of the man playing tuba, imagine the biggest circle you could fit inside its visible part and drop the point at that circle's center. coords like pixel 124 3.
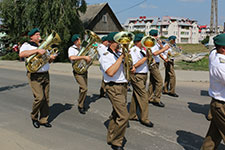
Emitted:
pixel 80 78
pixel 39 81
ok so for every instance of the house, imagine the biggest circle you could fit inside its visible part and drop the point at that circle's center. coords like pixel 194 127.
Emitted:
pixel 100 19
pixel 186 30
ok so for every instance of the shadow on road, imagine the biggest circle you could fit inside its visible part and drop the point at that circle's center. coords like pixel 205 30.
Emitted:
pixel 4 88
pixel 191 141
pixel 198 108
pixel 56 109
pixel 89 100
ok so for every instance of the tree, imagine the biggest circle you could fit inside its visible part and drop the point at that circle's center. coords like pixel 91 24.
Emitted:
pixel 20 16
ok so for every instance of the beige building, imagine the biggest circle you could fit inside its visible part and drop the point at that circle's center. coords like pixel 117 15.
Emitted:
pixel 186 30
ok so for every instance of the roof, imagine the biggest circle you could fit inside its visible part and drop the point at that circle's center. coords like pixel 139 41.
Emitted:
pixel 93 10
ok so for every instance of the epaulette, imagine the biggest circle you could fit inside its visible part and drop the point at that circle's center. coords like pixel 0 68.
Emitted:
pixel 106 53
pixel 222 60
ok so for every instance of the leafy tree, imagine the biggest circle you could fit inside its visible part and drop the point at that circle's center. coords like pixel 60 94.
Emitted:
pixel 20 16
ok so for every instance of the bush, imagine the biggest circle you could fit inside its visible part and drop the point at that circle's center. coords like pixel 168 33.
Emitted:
pixel 11 56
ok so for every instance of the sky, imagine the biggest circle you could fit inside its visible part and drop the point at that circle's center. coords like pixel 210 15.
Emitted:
pixel 199 10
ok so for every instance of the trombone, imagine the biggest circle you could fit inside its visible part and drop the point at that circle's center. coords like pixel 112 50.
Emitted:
pixel 148 42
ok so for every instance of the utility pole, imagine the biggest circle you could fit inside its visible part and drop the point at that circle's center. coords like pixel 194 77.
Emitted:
pixel 213 29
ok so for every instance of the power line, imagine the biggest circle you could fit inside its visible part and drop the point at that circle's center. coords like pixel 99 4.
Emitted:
pixel 131 7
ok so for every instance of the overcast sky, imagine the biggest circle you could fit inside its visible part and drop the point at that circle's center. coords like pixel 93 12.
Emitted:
pixel 199 10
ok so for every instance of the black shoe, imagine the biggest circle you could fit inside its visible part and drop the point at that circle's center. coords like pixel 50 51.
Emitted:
pixel 159 104
pixel 164 93
pixel 81 110
pixel 148 124
pixel 173 94
pixel 114 147
pixel 36 123
pixel 101 95
pixel 47 125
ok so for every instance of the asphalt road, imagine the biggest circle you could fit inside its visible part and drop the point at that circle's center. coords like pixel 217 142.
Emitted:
pixel 180 125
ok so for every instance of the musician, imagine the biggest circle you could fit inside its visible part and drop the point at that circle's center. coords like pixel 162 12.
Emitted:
pixel 156 82
pixel 80 78
pixel 39 81
pixel 102 48
pixel 116 89
pixel 138 82
pixel 216 131
pixel 170 77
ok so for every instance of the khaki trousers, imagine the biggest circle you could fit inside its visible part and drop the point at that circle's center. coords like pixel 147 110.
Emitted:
pixel 39 83
pixel 82 81
pixel 117 94
pixel 139 97
pixel 155 84
pixel 216 131
pixel 102 89
pixel 170 78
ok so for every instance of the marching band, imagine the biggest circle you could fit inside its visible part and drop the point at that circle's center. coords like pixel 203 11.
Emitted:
pixel 114 65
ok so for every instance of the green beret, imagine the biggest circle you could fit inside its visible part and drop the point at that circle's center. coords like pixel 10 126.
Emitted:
pixel 33 31
pixel 111 36
pixel 138 37
pixel 75 37
pixel 153 32
pixel 219 39
pixel 104 38
pixel 172 38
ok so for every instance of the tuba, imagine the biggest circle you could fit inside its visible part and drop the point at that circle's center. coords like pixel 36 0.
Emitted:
pixel 148 42
pixel 89 48
pixel 125 39
pixel 36 61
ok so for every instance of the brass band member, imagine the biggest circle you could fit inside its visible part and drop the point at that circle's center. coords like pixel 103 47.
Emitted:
pixel 170 77
pixel 102 48
pixel 156 80
pixel 116 89
pixel 138 82
pixel 80 78
pixel 39 81
pixel 216 131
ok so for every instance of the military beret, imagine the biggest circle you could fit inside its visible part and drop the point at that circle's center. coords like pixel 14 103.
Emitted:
pixel 138 37
pixel 104 38
pixel 75 37
pixel 111 36
pixel 153 32
pixel 33 31
pixel 172 38
pixel 219 39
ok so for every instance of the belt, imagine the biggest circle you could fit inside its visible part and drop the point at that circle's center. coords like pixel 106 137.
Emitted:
pixel 219 101
pixel 45 72
pixel 141 73
pixel 114 83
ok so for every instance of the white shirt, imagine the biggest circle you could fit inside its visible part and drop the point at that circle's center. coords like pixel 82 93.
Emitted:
pixel 101 49
pixel 154 49
pixel 136 55
pixel 106 61
pixel 73 50
pixel 165 53
pixel 26 47
pixel 217 75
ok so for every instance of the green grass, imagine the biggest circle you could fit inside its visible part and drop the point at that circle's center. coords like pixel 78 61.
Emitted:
pixel 200 65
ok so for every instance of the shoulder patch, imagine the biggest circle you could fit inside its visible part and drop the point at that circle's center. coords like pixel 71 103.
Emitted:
pixel 106 53
pixel 222 60
pixel 135 50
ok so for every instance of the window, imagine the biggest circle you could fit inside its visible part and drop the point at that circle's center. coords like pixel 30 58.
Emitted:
pixel 104 18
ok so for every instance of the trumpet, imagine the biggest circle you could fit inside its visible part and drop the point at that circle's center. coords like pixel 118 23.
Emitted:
pixel 148 42
pixel 125 39
pixel 176 51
